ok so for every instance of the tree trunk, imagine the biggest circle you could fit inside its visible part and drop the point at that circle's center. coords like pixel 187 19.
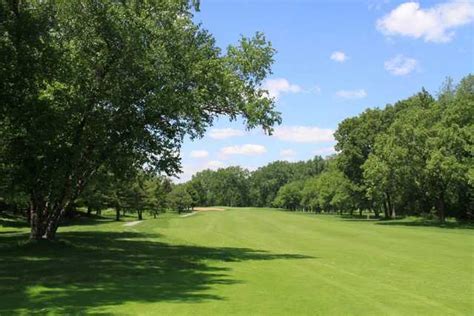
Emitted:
pixel 441 205
pixel 37 225
pixel 89 211
pixel 390 210
pixel 140 217
pixel 385 210
pixel 117 214
pixel 53 224
pixel 45 227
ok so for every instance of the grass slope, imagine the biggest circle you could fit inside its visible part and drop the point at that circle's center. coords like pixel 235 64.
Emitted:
pixel 239 261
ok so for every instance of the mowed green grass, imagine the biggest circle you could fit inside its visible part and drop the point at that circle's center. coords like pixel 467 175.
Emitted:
pixel 239 261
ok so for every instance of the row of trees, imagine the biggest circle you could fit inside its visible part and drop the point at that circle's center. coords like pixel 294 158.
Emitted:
pixel 234 186
pixel 411 158
pixel 143 192
pixel 416 156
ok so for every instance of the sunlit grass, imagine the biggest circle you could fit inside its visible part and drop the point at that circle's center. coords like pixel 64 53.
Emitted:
pixel 239 261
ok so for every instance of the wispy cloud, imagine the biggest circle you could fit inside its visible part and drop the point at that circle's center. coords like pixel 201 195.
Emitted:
pixel 303 134
pixel 400 65
pixel 247 150
pixel 224 133
pixel 199 154
pixel 351 94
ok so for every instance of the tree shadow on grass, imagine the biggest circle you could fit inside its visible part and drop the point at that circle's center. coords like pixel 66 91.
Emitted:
pixel 428 223
pixel 95 269
pixel 411 222
pixel 7 220
pixel 16 222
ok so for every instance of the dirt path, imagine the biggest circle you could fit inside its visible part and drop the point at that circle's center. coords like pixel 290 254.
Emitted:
pixel 190 214
pixel 132 223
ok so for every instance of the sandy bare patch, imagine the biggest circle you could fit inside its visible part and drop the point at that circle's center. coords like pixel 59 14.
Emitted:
pixel 201 209
pixel 132 223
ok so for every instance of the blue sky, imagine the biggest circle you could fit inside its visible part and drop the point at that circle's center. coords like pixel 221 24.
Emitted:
pixel 334 59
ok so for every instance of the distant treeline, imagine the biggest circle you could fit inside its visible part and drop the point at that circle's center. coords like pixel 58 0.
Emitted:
pixel 414 157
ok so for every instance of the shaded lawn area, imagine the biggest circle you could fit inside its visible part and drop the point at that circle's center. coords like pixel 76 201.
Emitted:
pixel 86 269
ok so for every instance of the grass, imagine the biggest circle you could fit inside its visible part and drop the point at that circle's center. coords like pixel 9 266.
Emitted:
pixel 239 261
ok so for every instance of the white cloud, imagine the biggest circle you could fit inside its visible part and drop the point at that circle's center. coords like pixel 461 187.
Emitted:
pixel 304 134
pixel 199 154
pixel 339 56
pixel 247 149
pixel 377 4
pixel 400 65
pixel 288 154
pixel 276 87
pixel 324 151
pixel 352 94
pixel 434 24
pixel 223 133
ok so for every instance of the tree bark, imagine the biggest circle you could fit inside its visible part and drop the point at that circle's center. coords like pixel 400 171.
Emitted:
pixel 117 213
pixel 441 206
pixel 53 224
pixel 385 209
pixel 37 210
pixel 391 210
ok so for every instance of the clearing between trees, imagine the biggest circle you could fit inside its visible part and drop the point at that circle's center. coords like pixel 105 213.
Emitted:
pixel 241 261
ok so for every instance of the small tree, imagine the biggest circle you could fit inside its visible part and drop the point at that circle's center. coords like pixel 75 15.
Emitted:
pixel 289 196
pixel 179 199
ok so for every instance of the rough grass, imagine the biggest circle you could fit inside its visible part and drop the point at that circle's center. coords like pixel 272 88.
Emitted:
pixel 242 261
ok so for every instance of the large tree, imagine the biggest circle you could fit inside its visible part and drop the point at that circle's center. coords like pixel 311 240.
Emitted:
pixel 116 85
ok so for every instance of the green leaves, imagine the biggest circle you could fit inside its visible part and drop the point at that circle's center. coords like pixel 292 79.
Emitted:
pixel 422 159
